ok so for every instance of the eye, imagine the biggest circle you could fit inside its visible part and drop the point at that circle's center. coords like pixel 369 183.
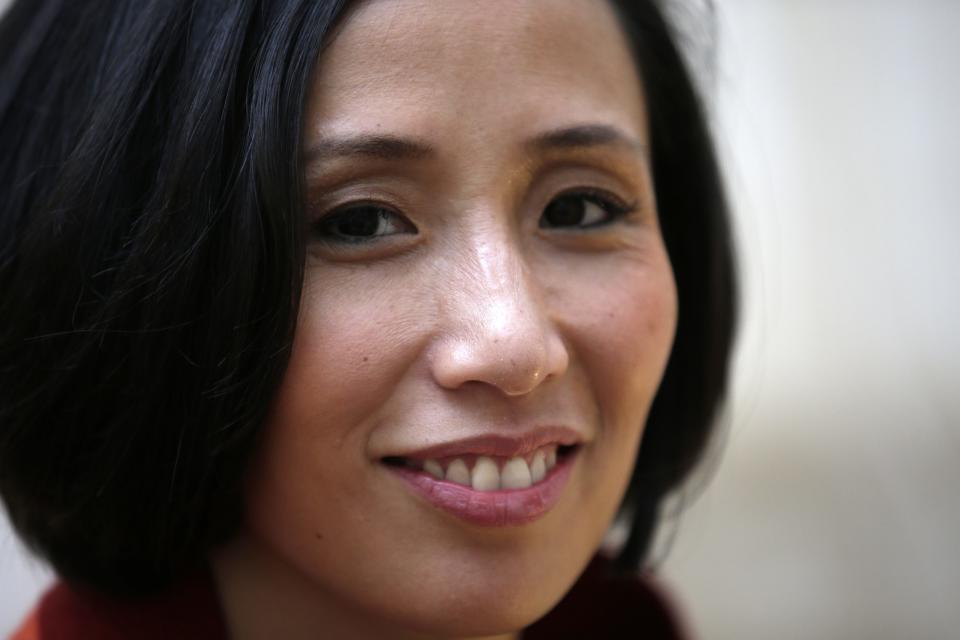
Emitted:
pixel 582 210
pixel 361 222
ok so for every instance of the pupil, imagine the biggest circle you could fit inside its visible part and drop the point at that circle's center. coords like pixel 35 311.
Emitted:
pixel 359 222
pixel 564 212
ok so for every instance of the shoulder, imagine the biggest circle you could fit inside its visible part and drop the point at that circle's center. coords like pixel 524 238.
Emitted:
pixel 608 606
pixel 191 610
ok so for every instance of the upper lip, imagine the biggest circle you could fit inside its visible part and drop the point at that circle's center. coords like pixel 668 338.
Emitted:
pixel 506 445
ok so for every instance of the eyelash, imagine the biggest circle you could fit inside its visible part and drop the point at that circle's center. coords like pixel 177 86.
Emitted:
pixel 612 206
pixel 325 228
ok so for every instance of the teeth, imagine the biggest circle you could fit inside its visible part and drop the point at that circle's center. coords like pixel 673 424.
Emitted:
pixel 458 472
pixel 538 468
pixel 515 474
pixel 433 468
pixel 485 475
pixel 551 458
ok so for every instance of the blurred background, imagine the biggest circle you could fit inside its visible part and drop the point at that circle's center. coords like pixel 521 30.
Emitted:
pixel 831 508
pixel 834 511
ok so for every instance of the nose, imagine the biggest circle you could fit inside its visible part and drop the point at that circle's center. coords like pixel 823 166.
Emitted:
pixel 496 329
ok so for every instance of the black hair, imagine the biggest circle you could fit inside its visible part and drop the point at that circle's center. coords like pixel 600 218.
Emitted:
pixel 151 259
pixel 695 223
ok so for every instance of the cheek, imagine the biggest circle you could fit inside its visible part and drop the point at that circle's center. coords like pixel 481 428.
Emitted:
pixel 623 331
pixel 641 330
pixel 348 355
pixel 349 352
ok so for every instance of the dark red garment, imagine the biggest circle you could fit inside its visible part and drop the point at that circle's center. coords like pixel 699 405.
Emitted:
pixel 600 606
pixel 189 612
pixel 607 607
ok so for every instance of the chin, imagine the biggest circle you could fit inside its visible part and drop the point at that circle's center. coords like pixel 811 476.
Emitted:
pixel 481 605
pixel 466 617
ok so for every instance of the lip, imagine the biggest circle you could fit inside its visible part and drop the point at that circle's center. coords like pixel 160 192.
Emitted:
pixel 498 446
pixel 502 508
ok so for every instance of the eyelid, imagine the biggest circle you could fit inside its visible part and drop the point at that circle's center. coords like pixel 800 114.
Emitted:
pixel 601 197
pixel 325 197
pixel 357 203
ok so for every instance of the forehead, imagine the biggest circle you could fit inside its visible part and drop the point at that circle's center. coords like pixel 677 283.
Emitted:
pixel 424 67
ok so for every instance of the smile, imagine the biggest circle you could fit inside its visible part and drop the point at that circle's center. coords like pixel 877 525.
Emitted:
pixel 485 473
pixel 490 490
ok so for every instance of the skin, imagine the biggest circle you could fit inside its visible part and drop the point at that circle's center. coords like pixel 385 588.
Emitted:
pixel 462 315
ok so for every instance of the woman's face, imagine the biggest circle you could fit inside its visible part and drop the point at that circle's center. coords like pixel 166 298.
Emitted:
pixel 486 288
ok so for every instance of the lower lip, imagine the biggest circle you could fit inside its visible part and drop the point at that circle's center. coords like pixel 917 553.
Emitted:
pixel 492 508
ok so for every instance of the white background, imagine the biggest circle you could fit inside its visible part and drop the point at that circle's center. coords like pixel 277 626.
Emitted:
pixel 833 512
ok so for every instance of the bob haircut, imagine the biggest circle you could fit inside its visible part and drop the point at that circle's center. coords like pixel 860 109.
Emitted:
pixel 151 259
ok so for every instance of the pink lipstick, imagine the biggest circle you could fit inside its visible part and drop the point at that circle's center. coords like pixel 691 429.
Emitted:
pixel 490 490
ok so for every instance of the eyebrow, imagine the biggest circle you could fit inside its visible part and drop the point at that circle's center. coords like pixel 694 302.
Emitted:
pixel 388 147
pixel 585 137
pixel 380 147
